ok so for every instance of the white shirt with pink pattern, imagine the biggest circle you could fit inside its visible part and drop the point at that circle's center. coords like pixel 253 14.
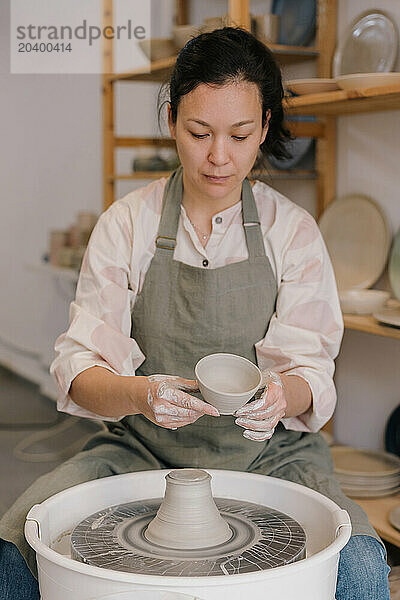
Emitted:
pixel 304 333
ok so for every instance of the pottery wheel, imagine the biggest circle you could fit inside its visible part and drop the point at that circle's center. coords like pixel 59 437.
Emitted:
pixel 262 538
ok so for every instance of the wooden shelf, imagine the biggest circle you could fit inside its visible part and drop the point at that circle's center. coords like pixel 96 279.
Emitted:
pixel 368 324
pixel 160 69
pixel 262 175
pixel 343 102
pixel 378 510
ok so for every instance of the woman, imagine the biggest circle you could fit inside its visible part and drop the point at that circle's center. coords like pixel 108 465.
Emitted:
pixel 196 264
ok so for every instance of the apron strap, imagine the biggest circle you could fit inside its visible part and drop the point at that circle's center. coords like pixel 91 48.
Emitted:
pixel 171 210
pixel 251 223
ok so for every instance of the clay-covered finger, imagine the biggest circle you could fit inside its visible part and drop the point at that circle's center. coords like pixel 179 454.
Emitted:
pixel 261 415
pixel 265 425
pixel 175 381
pixel 174 422
pixel 180 398
pixel 172 411
pixel 258 406
pixel 257 436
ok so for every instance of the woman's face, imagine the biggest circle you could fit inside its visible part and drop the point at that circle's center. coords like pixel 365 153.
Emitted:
pixel 218 132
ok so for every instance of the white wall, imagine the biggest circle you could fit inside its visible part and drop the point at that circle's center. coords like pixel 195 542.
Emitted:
pixel 51 168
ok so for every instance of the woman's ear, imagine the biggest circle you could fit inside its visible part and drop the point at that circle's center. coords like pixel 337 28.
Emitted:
pixel 171 125
pixel 266 126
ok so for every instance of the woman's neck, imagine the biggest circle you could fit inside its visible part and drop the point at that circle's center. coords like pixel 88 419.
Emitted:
pixel 204 208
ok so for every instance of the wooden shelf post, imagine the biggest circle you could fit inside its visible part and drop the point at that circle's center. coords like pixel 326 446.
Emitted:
pixel 239 14
pixel 181 12
pixel 326 146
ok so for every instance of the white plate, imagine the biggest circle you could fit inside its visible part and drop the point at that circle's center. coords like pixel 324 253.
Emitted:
pixel 389 316
pixel 356 481
pixel 361 81
pixel 370 487
pixel 354 461
pixel 369 45
pixel 369 494
pixel 358 240
pixel 314 85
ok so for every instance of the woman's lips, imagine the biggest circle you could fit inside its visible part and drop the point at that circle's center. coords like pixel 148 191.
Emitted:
pixel 217 179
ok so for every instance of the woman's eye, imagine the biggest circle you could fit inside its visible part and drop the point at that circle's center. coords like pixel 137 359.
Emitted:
pixel 199 136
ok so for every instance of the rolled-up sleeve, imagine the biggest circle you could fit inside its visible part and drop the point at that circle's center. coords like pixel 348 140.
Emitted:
pixel 306 330
pixel 100 316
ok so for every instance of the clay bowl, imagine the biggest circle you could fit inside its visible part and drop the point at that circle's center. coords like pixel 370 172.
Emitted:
pixel 227 381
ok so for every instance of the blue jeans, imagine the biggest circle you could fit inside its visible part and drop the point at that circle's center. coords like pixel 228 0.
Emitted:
pixel 363 572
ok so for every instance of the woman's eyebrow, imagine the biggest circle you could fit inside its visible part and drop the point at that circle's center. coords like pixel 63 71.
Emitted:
pixel 234 125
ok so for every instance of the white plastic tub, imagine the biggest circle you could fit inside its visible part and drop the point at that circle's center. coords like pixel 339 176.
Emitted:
pixel 327 528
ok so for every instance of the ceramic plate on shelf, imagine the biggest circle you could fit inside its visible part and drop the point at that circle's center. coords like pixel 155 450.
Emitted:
pixel 394 266
pixel 358 238
pixel 361 81
pixel 369 45
pixel 388 316
pixel 313 85
pixel 366 463
pixel 297 21
pixel 370 493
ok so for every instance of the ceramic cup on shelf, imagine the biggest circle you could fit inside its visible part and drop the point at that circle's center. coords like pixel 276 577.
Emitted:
pixel 227 381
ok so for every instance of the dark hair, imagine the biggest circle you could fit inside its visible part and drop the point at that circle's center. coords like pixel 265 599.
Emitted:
pixel 226 55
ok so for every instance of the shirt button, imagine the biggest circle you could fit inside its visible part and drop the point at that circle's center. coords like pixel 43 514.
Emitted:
pixel 205 263
pixel 218 220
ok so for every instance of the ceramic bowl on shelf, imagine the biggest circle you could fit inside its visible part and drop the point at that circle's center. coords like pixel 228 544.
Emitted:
pixel 362 302
pixel 362 81
pixel 313 85
pixel 158 48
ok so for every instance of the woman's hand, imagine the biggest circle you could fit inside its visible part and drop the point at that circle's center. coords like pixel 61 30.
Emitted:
pixel 168 405
pixel 260 417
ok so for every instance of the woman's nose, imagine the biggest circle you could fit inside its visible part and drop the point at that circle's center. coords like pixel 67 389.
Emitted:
pixel 218 153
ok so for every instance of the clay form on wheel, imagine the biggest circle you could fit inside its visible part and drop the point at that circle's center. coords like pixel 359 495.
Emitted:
pixel 227 381
pixel 188 517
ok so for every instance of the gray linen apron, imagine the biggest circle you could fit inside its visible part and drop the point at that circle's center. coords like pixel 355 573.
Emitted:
pixel 182 314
